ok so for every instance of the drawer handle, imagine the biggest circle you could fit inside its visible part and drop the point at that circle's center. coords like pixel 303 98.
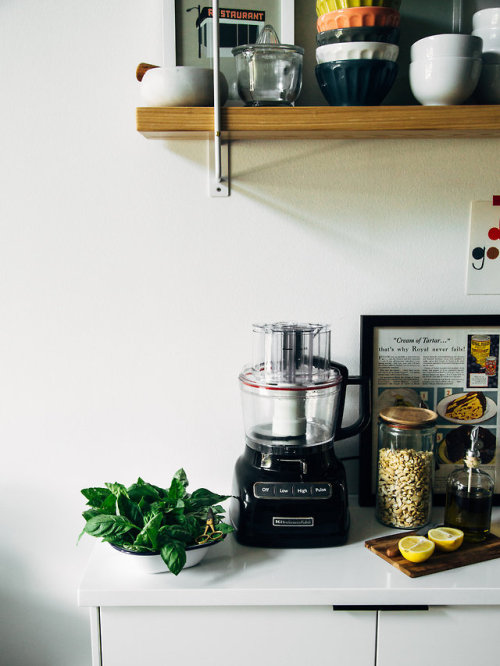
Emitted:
pixel 380 608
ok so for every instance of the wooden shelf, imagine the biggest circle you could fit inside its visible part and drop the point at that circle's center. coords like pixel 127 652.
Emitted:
pixel 318 122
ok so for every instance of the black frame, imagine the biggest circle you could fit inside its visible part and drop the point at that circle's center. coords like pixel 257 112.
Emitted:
pixel 369 324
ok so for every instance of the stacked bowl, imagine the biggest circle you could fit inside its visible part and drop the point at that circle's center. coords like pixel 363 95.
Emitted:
pixel 486 25
pixel 445 69
pixel 357 48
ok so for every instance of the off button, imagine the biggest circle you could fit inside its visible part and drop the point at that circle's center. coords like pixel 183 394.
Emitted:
pixel 262 490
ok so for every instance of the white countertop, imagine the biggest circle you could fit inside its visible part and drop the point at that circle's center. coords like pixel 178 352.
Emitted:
pixel 232 574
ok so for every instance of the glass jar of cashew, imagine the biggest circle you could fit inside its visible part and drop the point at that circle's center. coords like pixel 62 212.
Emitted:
pixel 405 466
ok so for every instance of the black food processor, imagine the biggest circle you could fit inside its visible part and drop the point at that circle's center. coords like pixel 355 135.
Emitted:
pixel 290 489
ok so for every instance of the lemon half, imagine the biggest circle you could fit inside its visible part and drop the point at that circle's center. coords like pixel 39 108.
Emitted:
pixel 416 548
pixel 446 538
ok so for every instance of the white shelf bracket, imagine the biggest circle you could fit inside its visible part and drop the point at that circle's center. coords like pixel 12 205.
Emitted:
pixel 218 151
pixel 218 187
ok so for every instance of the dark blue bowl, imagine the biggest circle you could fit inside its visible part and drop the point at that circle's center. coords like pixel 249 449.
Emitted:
pixel 360 34
pixel 356 82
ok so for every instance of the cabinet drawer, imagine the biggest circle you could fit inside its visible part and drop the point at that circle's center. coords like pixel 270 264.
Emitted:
pixel 445 634
pixel 223 636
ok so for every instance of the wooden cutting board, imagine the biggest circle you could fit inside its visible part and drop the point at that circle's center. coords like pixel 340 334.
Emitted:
pixel 468 553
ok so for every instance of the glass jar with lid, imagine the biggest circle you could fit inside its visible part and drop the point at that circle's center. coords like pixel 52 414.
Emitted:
pixel 405 466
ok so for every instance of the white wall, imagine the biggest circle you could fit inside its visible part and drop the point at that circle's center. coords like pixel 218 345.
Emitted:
pixel 127 294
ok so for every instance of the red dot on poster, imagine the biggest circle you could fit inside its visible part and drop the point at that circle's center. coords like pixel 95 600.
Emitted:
pixel 492 252
pixel 494 233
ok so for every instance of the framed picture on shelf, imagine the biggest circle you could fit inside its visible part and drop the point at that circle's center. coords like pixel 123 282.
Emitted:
pixel 187 31
pixel 448 363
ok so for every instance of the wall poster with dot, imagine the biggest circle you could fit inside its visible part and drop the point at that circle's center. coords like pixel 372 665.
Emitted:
pixel 483 261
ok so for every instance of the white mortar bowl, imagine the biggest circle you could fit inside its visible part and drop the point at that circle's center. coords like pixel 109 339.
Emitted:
pixel 490 37
pixel 488 88
pixel 181 86
pixel 357 51
pixel 486 18
pixel 447 45
pixel 444 81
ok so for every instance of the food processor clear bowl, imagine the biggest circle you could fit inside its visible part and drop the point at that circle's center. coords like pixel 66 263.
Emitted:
pixel 291 391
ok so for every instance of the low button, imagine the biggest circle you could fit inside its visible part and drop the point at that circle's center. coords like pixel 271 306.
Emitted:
pixel 283 490
pixel 302 490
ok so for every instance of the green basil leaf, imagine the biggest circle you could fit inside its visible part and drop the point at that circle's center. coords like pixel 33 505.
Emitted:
pixel 175 532
pixel 130 510
pixel 194 525
pixel 107 526
pixel 96 496
pixel 148 536
pixel 117 489
pixel 144 506
pixel 109 505
pixel 161 506
pixel 173 554
pixel 180 475
pixel 204 497
pixel 176 491
pixel 224 528
pixel 143 491
pixel 175 516
pixel 90 513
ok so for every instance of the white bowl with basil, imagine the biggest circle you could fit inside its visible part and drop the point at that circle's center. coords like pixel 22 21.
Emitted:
pixel 152 563
pixel 154 529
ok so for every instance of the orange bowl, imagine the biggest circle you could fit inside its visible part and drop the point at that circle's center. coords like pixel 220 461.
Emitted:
pixel 355 17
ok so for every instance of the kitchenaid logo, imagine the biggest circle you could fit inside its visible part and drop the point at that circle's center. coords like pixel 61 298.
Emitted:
pixel 234 14
pixel 292 522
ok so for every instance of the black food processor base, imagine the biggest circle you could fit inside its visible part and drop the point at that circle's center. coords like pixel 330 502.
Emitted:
pixel 284 501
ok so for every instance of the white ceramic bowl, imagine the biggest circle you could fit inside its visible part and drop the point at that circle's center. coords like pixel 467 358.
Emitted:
pixel 488 87
pixel 357 51
pixel 486 18
pixel 181 86
pixel 444 81
pixel 490 37
pixel 447 45
pixel 149 563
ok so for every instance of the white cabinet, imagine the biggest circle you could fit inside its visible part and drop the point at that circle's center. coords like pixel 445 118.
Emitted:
pixel 295 635
pixel 248 605
pixel 243 635
pixel 444 634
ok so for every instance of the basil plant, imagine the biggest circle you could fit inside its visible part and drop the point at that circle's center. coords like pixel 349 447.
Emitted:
pixel 145 518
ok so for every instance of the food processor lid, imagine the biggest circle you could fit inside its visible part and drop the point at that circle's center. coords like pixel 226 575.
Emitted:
pixel 290 355
pixel 267 42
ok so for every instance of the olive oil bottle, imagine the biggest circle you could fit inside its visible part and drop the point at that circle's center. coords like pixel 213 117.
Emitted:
pixel 469 496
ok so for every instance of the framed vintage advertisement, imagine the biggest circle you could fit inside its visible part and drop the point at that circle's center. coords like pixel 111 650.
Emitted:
pixel 187 31
pixel 447 363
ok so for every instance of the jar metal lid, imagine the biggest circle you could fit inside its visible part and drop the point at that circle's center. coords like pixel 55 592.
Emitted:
pixel 408 417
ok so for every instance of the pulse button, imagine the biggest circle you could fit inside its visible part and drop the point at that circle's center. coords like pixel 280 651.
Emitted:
pixel 320 490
